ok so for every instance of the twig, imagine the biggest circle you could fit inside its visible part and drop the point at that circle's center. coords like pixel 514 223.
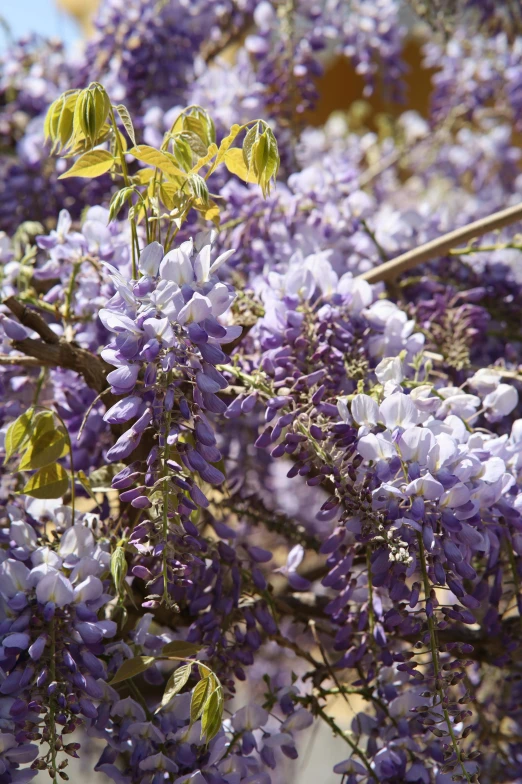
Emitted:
pixel 442 245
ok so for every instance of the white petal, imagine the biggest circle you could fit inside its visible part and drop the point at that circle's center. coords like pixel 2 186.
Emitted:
pixel 117 322
pixel 365 410
pixel 202 264
pixel 398 411
pixel 426 486
pixel 197 309
pixel 150 258
pixel 221 299
pixel 55 587
pixel 176 266
pixel 221 260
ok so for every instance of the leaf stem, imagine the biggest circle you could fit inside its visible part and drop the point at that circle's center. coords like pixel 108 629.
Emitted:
pixel 125 172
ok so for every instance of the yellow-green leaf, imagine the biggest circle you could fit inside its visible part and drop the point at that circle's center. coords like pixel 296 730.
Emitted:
pixel 49 482
pixel 168 192
pixel 92 164
pixel 227 142
pixel 144 176
pixel 180 648
pixel 18 433
pixel 212 213
pixel 127 122
pixel 248 143
pixel 90 113
pixel 58 123
pixel 44 449
pixel 132 667
pixel 199 698
pixel 260 155
pixel 212 150
pixel 175 683
pixel 236 165
pixel 212 715
pixel 156 158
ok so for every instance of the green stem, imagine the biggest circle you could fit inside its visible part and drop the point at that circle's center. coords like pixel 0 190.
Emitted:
pixel 338 731
pixel 165 472
pixel 168 240
pixel 371 614
pixel 125 173
pixel 371 234
pixel 140 698
pixel 39 384
pixel 71 460
pixel 513 564
pixel 52 711
pixel 435 657
pixel 484 248
pixel 70 290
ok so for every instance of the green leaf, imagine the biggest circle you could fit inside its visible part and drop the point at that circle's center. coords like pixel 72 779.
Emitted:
pixel 212 715
pixel 170 194
pixel 101 478
pixel 92 164
pixel 264 159
pixel 118 200
pixel 90 113
pixel 44 449
pixel 175 683
pixel 260 155
pixel 200 122
pixel 156 158
pixel 181 152
pixel 132 667
pixel 196 121
pixel 199 698
pixel 118 567
pixel 58 125
pixel 248 143
pixel 235 163
pixel 49 482
pixel 18 433
pixel 127 122
pixel 181 649
pixel 194 141
pixel 84 481
pixel 199 188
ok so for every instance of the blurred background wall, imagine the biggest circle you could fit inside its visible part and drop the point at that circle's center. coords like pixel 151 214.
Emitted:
pixel 338 88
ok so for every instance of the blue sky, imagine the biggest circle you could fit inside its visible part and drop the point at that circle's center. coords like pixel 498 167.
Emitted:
pixel 40 16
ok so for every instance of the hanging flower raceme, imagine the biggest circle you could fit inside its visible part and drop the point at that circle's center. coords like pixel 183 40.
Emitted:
pixel 167 340
pixel 53 635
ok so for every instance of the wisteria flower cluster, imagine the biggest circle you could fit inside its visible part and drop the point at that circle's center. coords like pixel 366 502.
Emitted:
pixel 262 446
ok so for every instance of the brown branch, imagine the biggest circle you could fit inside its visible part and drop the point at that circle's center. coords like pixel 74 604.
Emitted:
pixel 442 245
pixel 229 37
pixel 31 319
pixel 54 351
